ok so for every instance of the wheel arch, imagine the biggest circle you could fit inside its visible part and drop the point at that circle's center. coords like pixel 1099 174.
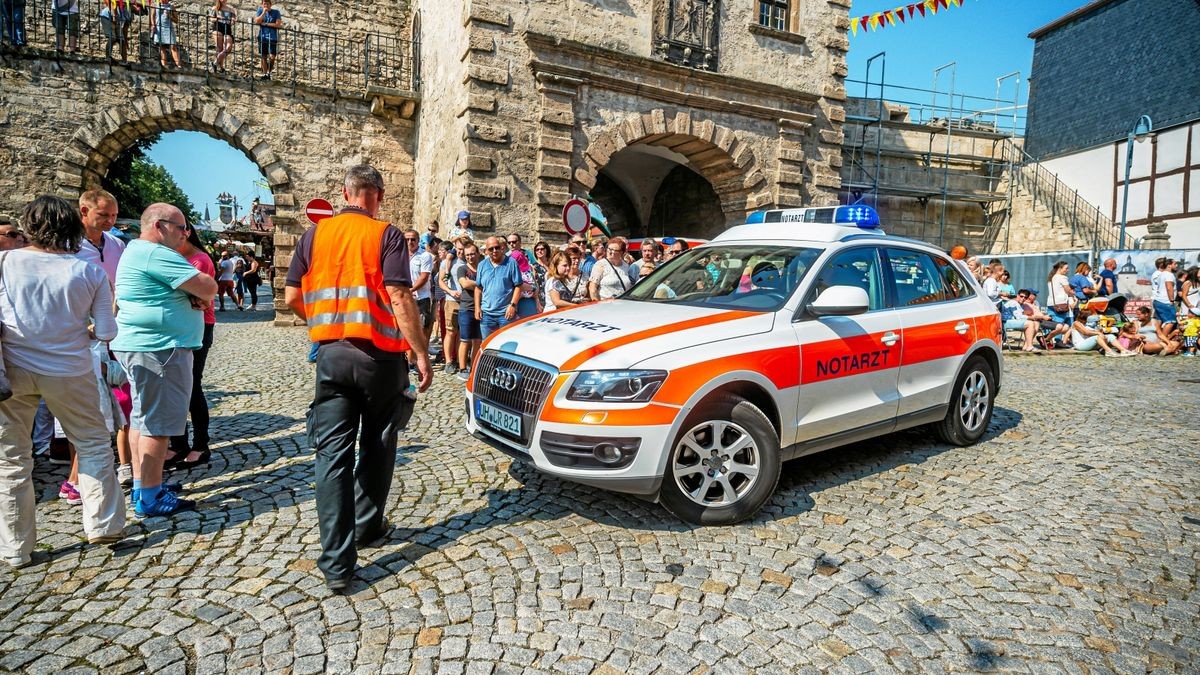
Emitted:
pixel 752 391
pixel 990 354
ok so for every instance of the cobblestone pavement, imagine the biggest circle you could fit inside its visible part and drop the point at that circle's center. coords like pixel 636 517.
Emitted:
pixel 1066 541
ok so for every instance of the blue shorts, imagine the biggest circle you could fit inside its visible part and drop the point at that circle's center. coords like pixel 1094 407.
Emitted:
pixel 468 325
pixel 1015 324
pixel 1064 317
pixel 490 323
pixel 1165 312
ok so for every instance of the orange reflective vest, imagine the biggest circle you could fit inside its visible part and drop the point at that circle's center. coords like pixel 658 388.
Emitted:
pixel 343 289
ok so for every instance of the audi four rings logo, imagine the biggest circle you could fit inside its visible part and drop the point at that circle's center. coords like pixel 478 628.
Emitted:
pixel 505 378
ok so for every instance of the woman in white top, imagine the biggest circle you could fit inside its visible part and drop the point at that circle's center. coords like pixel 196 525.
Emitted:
pixel 1190 292
pixel 1085 338
pixel 611 276
pixel 1058 298
pixel 48 299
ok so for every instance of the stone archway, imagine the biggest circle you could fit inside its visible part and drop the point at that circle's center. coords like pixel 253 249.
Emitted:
pixel 711 150
pixel 93 147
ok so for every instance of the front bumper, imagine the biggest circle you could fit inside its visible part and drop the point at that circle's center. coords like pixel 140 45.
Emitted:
pixel 641 476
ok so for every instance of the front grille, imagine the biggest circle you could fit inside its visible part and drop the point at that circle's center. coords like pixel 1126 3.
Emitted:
pixel 527 397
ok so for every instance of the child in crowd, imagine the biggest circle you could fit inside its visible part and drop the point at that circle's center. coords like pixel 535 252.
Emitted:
pixel 1128 337
pixel 1191 335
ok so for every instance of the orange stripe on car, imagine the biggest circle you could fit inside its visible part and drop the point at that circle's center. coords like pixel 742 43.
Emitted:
pixel 781 365
pixel 583 356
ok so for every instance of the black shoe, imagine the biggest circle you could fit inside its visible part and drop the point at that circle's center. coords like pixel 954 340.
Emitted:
pixel 376 538
pixel 205 456
pixel 339 585
pixel 179 454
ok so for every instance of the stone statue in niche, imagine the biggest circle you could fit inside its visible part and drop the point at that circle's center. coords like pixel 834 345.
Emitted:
pixel 686 32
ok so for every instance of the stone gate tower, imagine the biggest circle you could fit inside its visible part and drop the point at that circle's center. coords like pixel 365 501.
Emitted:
pixel 677 116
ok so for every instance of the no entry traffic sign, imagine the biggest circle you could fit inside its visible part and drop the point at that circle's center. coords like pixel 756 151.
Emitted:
pixel 575 216
pixel 318 210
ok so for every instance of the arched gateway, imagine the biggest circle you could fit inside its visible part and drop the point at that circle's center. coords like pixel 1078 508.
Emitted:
pixel 656 175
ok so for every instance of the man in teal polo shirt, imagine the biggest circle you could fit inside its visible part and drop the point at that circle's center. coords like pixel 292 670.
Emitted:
pixel 160 320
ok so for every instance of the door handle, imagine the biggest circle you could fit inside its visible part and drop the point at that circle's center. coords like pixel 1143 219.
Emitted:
pixel 962 327
pixel 890 338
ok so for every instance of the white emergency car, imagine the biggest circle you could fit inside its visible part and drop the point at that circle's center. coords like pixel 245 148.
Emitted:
pixel 799 331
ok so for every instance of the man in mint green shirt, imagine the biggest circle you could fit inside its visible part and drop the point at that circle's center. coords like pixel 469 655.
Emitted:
pixel 160 320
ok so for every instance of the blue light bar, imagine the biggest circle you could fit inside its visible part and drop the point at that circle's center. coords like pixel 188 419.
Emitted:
pixel 756 218
pixel 858 215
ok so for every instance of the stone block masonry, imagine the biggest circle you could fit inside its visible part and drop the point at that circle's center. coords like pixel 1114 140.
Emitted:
pixel 65 125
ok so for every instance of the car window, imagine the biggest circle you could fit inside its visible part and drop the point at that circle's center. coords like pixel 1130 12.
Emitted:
pixel 956 284
pixel 855 267
pixel 916 278
pixel 729 276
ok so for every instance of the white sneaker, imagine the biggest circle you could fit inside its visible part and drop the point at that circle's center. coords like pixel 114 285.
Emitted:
pixel 125 475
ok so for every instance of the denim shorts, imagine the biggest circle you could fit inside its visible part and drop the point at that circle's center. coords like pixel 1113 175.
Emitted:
pixel 1165 312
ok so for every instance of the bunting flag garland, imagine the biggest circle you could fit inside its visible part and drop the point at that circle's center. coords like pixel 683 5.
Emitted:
pixel 888 17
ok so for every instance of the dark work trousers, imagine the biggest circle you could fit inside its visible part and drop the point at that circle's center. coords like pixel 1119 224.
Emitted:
pixel 197 405
pixel 354 390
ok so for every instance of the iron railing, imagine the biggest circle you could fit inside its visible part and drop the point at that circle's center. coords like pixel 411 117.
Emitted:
pixel 343 64
pixel 1089 226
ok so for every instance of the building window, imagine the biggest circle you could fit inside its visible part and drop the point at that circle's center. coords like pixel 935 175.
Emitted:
pixel 773 14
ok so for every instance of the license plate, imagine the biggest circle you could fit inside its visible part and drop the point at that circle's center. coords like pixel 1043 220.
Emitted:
pixel 498 418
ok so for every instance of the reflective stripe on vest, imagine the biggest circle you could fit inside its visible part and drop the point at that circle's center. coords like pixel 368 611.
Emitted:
pixel 343 291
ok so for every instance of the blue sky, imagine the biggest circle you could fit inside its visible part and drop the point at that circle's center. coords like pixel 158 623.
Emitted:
pixel 204 167
pixel 987 38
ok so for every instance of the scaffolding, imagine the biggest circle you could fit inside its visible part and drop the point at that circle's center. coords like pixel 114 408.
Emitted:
pixel 945 154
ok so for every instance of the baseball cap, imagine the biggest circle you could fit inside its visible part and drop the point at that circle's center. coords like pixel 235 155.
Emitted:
pixel 667 241
pixel 463 215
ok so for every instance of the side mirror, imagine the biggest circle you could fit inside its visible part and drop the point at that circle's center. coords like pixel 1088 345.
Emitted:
pixel 840 301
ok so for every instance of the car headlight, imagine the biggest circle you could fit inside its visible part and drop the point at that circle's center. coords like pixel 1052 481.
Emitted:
pixel 616 386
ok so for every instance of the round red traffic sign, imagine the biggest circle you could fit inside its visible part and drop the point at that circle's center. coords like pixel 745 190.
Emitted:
pixel 318 210
pixel 575 216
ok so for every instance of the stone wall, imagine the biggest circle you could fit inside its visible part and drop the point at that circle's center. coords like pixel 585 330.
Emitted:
pixel 61 126
pixel 555 88
pixel 441 162
pixel 389 17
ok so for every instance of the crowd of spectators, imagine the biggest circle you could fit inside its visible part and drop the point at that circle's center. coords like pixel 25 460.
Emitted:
pixel 1077 314
pixel 479 287
pixel 104 344
pixel 117 19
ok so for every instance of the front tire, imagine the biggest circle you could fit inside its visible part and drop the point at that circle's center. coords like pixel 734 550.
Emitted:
pixel 971 405
pixel 724 464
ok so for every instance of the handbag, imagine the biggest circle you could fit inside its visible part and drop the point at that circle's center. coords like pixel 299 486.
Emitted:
pixel 5 385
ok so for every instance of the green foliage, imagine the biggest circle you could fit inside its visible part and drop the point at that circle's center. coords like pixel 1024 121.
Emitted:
pixel 137 182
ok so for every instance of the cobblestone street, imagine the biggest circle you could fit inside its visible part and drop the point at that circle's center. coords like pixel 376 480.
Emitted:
pixel 1065 541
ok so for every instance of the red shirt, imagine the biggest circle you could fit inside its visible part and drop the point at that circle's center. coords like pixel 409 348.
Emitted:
pixel 202 262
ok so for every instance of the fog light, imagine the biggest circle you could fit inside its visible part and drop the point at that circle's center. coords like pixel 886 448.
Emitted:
pixel 594 417
pixel 607 453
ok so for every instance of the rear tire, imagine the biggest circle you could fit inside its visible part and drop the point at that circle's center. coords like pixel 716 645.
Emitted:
pixel 971 404
pixel 724 464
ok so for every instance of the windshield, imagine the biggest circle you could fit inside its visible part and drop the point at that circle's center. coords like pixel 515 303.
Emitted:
pixel 756 278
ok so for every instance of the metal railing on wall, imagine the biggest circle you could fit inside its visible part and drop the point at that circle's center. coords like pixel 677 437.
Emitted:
pixel 343 64
pixel 1088 224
